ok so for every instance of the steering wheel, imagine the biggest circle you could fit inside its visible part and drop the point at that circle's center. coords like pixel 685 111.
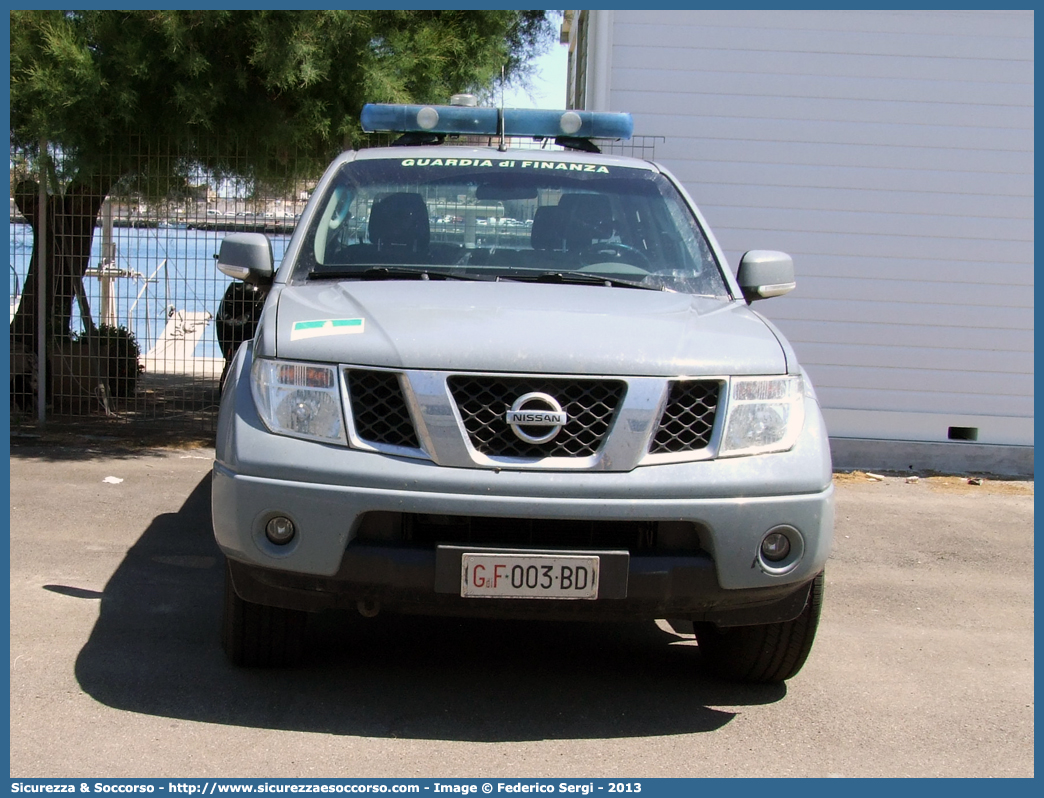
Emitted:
pixel 614 251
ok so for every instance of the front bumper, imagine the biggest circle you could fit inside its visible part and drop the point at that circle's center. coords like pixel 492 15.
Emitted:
pixel 327 491
pixel 403 580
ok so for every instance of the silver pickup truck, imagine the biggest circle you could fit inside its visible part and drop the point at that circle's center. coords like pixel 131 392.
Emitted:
pixel 507 382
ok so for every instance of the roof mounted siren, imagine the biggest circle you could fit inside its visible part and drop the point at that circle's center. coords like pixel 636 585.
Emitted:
pixel 432 123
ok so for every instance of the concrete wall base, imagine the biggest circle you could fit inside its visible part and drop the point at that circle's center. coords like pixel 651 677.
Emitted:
pixel 947 458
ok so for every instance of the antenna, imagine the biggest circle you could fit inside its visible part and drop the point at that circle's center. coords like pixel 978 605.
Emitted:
pixel 500 115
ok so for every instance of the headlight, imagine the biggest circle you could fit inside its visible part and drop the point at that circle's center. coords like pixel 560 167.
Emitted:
pixel 765 415
pixel 299 399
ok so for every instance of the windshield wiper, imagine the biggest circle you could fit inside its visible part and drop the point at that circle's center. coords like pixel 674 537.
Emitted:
pixel 388 273
pixel 577 278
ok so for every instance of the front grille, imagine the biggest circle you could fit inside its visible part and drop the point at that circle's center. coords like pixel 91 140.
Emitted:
pixel 483 402
pixel 688 418
pixel 379 408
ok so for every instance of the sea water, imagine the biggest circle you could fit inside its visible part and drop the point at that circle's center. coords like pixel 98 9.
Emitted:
pixel 164 271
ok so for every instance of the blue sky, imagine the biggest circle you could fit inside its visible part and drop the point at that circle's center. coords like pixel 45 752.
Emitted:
pixel 548 87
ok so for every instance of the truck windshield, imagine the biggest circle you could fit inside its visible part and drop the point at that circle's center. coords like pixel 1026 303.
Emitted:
pixel 509 218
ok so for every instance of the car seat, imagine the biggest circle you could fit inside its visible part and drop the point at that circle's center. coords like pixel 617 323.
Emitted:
pixel 587 218
pixel 398 228
pixel 548 231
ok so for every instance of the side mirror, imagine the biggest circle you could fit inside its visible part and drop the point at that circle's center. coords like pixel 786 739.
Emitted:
pixel 247 257
pixel 763 274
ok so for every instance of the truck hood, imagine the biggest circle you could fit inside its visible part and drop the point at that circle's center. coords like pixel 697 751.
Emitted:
pixel 518 327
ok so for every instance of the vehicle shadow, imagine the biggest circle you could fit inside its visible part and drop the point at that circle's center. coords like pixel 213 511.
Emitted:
pixel 155 649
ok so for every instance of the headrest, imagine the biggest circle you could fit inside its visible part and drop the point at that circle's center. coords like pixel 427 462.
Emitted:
pixel 588 217
pixel 548 230
pixel 400 220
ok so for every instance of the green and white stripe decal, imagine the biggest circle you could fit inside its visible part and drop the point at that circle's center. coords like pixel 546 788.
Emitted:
pixel 320 328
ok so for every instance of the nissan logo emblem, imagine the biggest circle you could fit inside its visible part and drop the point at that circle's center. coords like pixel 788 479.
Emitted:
pixel 536 410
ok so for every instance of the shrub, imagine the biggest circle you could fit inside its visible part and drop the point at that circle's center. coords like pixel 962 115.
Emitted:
pixel 123 357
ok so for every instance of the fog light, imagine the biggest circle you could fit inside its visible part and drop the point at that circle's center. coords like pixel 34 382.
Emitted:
pixel 775 547
pixel 280 530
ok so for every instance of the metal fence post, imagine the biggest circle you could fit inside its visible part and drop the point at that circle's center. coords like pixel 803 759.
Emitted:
pixel 42 294
pixel 107 268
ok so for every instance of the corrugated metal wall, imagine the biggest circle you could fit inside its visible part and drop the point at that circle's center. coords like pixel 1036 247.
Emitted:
pixel 891 153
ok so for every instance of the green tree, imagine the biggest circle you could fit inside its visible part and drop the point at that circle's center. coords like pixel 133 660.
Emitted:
pixel 245 93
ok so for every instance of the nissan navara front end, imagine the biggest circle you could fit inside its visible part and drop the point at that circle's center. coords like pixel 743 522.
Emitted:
pixel 505 382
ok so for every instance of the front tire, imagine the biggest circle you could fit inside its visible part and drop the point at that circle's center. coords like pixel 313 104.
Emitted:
pixel 258 636
pixel 764 654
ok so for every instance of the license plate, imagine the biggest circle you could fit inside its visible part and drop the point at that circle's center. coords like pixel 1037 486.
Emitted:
pixel 539 576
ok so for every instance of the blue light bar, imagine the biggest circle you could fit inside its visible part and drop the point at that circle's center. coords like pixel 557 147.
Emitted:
pixel 576 124
pixel 462 120
pixel 429 119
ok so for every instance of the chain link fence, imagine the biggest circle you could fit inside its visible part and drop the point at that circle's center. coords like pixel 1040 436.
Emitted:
pixel 134 312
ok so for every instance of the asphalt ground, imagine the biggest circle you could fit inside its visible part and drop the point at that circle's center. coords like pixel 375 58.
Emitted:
pixel 923 665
